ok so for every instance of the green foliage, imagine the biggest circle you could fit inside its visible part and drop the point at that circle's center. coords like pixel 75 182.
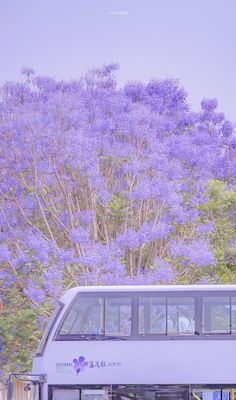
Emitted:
pixel 221 209
pixel 20 329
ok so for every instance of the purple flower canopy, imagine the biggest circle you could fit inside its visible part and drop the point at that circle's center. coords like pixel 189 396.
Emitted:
pixel 101 185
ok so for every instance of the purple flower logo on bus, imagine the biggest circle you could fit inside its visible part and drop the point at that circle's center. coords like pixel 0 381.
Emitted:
pixel 79 364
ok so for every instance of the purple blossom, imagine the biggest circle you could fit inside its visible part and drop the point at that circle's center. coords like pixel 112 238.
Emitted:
pixel 7 279
pixel 206 228
pixel 27 71
pixel 161 230
pixel 53 281
pixel 227 129
pixel 86 217
pixel 79 235
pixel 129 239
pixel 204 281
pixel 209 104
pixel 34 292
pixel 5 254
pixel 65 256
pixel 164 272
pixel 129 189
pixel 198 252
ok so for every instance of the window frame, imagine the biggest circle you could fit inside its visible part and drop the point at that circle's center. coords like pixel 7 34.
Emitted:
pixel 137 315
pixel 218 334
pixel 135 336
pixel 51 324
pixel 231 319
pixel 103 336
pixel 79 387
pixel 166 335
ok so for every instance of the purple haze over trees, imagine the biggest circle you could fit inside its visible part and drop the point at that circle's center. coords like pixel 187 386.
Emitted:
pixel 106 186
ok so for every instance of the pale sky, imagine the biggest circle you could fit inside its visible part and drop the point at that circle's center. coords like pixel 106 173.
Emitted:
pixel 190 40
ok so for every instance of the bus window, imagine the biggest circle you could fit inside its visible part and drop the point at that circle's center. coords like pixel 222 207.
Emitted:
pixel 181 314
pixel 85 317
pixel 65 394
pixel 94 394
pixel 152 315
pixel 213 394
pixel 207 394
pixel 118 316
pixel 233 315
pixel 216 314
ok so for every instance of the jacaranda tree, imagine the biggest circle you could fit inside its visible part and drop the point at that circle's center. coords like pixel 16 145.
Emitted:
pixel 101 185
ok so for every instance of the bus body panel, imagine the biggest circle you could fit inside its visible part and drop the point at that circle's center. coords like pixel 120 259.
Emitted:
pixel 166 362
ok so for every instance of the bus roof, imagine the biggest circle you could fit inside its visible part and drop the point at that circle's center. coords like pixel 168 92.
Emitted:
pixel 69 295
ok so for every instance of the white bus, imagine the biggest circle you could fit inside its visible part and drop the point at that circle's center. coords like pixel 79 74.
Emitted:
pixel 140 342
